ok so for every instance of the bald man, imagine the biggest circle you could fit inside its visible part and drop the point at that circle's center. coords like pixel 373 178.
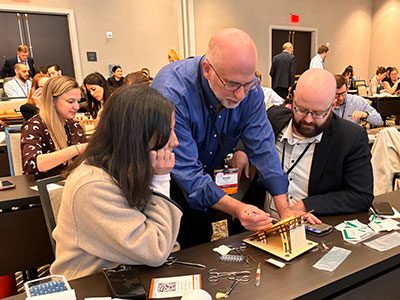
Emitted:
pixel 283 70
pixel 218 100
pixel 20 85
pixel 326 158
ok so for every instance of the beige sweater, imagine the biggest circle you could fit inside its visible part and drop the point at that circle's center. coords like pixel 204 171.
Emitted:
pixel 96 228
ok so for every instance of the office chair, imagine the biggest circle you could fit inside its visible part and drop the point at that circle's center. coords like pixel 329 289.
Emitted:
pixel 362 90
pixel 13 141
pixel 51 202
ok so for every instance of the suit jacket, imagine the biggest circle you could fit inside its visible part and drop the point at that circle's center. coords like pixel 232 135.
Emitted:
pixel 283 70
pixel 341 178
pixel 8 67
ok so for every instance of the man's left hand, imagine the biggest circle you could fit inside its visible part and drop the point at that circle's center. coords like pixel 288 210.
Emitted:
pixel 357 115
pixel 240 161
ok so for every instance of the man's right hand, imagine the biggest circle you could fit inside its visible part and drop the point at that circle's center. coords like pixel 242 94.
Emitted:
pixel 253 218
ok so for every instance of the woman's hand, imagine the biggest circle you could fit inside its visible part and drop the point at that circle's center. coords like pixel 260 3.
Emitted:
pixel 36 96
pixel 162 161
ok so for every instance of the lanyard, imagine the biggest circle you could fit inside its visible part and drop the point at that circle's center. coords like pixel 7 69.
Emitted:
pixel 25 93
pixel 298 159
pixel 207 101
pixel 344 108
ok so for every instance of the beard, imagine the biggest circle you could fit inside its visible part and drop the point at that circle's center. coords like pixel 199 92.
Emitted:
pixel 229 104
pixel 312 129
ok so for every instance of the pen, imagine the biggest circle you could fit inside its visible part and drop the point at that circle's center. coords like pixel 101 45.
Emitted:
pixel 258 275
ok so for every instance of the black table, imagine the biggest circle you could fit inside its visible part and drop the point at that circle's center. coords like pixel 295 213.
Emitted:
pixel 24 239
pixel 386 106
pixel 365 274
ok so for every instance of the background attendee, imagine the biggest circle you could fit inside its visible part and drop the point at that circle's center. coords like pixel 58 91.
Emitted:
pixel 116 80
pixel 327 159
pixel 138 77
pixel 52 138
pixel 20 85
pixel 283 70
pixel 31 108
pixel 21 57
pixel 376 85
pixel 392 82
pixel 348 73
pixel 97 91
pixel 317 62
pixel 116 207
pixel 54 70
pixel 209 93
pixel 353 107
pixel 173 55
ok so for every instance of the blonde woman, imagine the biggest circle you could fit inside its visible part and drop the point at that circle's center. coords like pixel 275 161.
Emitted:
pixel 52 138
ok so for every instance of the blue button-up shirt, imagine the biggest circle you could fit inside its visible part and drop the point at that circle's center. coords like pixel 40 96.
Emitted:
pixel 354 103
pixel 199 151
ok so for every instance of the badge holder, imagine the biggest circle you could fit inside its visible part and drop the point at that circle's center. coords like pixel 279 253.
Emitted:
pixel 227 179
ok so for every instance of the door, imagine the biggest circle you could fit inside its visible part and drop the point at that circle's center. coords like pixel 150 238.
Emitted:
pixel 301 41
pixel 10 37
pixel 51 41
pixel 47 36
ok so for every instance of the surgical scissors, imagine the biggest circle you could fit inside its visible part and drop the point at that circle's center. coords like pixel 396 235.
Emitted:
pixel 236 280
pixel 215 275
pixel 173 260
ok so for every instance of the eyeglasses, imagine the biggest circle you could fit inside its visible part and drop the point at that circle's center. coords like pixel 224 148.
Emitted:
pixel 235 86
pixel 344 94
pixel 315 114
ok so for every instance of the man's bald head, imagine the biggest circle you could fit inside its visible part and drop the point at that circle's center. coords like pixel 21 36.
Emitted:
pixel 234 49
pixel 313 102
pixel 315 88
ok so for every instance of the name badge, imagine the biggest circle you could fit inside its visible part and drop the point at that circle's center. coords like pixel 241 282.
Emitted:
pixel 227 180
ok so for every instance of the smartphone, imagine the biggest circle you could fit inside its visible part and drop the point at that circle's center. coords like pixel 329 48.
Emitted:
pixel 6 185
pixel 124 283
pixel 318 229
pixel 382 208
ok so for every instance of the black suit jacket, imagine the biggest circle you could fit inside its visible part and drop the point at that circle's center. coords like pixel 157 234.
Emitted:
pixel 8 67
pixel 283 70
pixel 341 173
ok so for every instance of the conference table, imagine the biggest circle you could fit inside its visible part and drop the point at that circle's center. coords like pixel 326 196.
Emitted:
pixel 25 243
pixel 364 274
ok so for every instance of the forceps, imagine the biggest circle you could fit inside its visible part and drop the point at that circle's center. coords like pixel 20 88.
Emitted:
pixel 173 260
pixel 215 275
pixel 236 280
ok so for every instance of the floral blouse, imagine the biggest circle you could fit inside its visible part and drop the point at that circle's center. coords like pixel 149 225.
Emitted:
pixel 35 140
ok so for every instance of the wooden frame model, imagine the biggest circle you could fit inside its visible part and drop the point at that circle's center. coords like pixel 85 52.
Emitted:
pixel 285 239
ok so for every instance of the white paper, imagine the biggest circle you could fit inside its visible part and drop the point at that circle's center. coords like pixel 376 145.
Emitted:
pixel 2 137
pixel 222 250
pixel 331 260
pixel 50 187
pixel 168 287
pixel 385 242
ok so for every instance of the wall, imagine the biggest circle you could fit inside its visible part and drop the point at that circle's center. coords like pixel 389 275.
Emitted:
pixel 385 42
pixel 143 31
pixel 346 25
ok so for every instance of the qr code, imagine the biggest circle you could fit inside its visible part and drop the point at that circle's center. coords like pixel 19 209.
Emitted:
pixel 164 287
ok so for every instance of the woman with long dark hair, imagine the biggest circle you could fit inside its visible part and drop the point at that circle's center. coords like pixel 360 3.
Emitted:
pixel 115 207
pixel 98 91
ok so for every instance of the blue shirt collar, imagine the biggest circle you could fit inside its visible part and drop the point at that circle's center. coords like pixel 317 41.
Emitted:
pixel 206 88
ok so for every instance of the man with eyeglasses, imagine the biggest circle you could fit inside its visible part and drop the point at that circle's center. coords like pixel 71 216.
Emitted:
pixel 353 107
pixel 326 158
pixel 218 101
